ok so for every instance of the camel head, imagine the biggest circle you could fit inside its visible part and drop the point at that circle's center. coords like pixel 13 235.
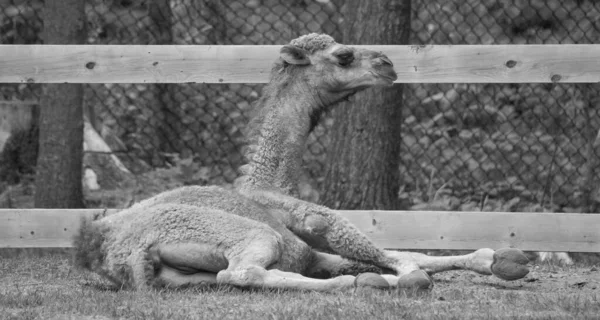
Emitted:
pixel 333 68
pixel 312 74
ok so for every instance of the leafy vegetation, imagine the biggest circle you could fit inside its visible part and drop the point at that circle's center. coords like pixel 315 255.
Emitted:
pixel 527 145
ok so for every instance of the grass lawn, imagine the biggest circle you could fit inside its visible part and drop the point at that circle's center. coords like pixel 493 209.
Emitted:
pixel 47 287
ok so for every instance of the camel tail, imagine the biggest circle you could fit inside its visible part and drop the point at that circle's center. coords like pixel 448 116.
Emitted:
pixel 88 245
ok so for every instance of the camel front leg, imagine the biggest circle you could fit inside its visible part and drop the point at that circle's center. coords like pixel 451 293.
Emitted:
pixel 323 228
pixel 506 264
pixel 325 265
pixel 368 275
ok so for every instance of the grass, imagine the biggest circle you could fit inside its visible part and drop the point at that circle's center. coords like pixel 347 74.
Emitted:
pixel 46 287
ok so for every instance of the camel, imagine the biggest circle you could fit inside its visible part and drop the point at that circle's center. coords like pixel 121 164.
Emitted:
pixel 261 234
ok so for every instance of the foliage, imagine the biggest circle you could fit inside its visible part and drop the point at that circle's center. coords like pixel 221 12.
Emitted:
pixel 146 185
pixel 21 23
pixel 534 142
pixel 19 155
pixel 510 145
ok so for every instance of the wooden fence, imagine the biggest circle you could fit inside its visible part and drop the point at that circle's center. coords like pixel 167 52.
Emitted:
pixel 251 64
pixel 388 229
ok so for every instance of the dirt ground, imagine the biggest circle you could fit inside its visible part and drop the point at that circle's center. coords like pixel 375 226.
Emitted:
pixel 548 278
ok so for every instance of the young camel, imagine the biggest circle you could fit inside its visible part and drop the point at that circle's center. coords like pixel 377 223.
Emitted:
pixel 261 235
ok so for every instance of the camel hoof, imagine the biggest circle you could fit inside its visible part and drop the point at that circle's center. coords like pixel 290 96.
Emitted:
pixel 370 280
pixel 417 281
pixel 510 264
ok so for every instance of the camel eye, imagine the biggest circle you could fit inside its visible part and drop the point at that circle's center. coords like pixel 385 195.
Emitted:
pixel 345 58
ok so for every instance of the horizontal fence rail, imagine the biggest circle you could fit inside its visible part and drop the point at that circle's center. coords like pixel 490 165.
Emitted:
pixel 22 228
pixel 251 64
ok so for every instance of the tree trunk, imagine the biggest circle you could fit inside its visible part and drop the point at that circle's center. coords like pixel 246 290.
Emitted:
pixel 168 132
pixel 591 194
pixel 363 161
pixel 58 174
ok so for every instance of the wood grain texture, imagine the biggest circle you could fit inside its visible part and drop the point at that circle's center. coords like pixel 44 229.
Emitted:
pixel 40 228
pixel 373 130
pixel 251 64
pixel 473 230
pixel 388 229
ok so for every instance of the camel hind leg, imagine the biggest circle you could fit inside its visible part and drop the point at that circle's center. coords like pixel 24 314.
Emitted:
pixel 245 264
pixel 186 264
pixel 249 268
pixel 173 278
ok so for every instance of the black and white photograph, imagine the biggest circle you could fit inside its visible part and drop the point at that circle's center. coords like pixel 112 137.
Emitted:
pixel 299 159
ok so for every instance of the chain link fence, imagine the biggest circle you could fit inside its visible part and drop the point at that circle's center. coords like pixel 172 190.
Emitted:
pixel 511 144
pixel 471 146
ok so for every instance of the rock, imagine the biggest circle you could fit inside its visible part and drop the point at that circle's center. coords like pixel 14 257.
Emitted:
pixel 416 282
pixel 370 280
pixel 510 264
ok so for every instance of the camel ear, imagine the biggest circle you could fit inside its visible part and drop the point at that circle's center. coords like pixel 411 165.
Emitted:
pixel 294 55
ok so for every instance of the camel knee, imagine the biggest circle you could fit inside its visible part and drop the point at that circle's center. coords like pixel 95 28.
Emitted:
pixel 314 229
pixel 316 224
pixel 404 262
pixel 252 276
pixel 262 249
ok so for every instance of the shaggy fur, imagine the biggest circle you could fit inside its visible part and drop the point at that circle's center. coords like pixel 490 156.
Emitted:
pixel 89 253
pixel 313 42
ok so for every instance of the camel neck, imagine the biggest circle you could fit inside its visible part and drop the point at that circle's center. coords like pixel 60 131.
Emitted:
pixel 277 138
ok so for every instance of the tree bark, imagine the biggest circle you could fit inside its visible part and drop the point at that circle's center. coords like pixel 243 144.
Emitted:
pixel 168 132
pixel 363 161
pixel 589 186
pixel 59 166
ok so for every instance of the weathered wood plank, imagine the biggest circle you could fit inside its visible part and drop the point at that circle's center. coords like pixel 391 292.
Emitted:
pixel 388 229
pixel 251 64
pixel 40 228
pixel 472 230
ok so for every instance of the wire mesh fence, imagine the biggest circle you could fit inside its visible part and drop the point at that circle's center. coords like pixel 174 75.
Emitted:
pixel 534 142
pixel 470 144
